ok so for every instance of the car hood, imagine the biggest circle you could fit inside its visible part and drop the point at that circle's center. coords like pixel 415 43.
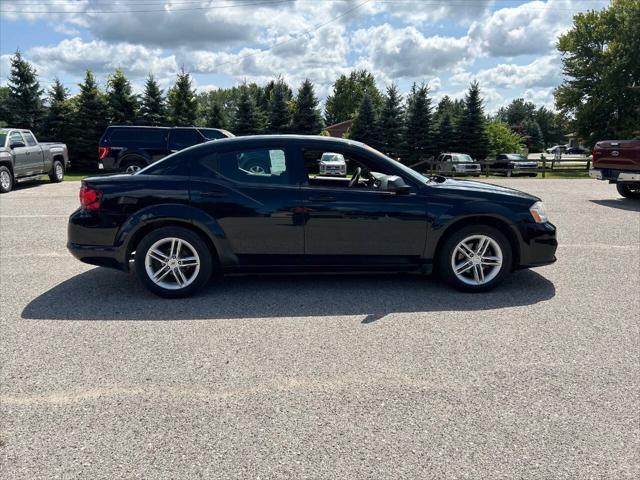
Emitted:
pixel 483 189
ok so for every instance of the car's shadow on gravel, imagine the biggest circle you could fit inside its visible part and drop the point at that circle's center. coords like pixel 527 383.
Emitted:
pixel 621 203
pixel 102 294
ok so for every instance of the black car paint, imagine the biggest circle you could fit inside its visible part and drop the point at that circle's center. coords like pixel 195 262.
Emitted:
pixel 300 226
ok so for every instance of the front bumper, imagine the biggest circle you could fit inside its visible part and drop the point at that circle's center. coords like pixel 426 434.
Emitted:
pixel 539 244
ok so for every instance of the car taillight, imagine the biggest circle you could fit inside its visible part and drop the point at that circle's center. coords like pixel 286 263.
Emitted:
pixel 103 152
pixel 89 198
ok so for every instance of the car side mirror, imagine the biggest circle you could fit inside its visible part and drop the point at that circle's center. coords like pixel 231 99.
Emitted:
pixel 17 144
pixel 396 185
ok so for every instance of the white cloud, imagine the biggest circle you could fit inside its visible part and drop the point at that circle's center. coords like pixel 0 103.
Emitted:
pixel 542 72
pixel 407 53
pixel 74 56
pixel 529 28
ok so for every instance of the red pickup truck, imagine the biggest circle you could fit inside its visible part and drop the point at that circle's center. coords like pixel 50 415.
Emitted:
pixel 618 161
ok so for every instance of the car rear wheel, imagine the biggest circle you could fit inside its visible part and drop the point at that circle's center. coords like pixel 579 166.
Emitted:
pixel 57 172
pixel 173 262
pixel 132 166
pixel 629 190
pixel 6 179
pixel 475 258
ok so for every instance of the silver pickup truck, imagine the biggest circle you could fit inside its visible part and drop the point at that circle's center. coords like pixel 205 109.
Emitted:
pixel 22 157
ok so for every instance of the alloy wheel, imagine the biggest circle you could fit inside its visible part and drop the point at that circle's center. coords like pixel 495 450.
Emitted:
pixel 132 168
pixel 59 171
pixel 477 260
pixel 172 263
pixel 5 180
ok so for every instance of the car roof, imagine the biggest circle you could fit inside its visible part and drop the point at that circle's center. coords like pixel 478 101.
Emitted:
pixel 290 139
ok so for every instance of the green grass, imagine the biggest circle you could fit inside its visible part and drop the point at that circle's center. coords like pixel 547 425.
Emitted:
pixel 76 176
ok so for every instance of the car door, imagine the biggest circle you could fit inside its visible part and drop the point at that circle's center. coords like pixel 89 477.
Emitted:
pixel 349 225
pixel 257 209
pixel 20 153
pixel 35 155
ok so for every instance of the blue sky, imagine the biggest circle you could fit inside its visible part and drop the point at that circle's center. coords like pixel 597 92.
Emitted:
pixel 509 46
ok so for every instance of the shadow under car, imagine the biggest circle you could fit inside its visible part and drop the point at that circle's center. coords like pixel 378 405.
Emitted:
pixel 103 294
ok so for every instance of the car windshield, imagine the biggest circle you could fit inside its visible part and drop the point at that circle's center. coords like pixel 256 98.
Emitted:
pixel 516 157
pixel 461 159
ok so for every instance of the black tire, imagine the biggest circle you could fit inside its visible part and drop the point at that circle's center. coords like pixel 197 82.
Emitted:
pixel 629 190
pixel 132 164
pixel 194 241
pixel 449 245
pixel 57 171
pixel 6 179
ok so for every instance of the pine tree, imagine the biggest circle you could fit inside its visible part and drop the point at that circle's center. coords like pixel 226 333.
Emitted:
pixel 214 116
pixel 247 120
pixel 59 114
pixel 122 103
pixel 182 102
pixel 152 107
pixel 279 111
pixel 472 134
pixel 365 126
pixel 391 123
pixel 89 122
pixel 418 129
pixel 25 102
pixel 533 134
pixel 4 107
pixel 306 116
pixel 446 137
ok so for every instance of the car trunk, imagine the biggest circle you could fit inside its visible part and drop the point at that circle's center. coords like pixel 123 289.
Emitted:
pixel 617 154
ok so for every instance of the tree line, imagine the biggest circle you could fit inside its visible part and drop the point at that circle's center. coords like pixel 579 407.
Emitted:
pixel 412 129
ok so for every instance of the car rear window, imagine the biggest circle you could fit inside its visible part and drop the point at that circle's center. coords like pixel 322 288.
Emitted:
pixel 212 133
pixel 137 135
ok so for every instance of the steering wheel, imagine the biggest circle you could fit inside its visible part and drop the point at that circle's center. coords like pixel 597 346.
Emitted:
pixel 355 178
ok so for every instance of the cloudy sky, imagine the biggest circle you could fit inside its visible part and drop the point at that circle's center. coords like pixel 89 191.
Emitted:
pixel 509 46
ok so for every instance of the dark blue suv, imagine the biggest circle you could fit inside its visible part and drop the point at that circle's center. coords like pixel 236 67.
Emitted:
pixel 131 148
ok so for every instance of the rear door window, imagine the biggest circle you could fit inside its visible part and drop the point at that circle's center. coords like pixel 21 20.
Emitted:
pixel 184 137
pixel 260 165
pixel 31 142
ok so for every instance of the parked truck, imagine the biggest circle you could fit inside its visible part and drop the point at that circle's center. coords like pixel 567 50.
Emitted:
pixel 23 157
pixel 618 161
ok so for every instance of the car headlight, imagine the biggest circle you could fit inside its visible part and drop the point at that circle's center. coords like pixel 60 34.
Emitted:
pixel 538 212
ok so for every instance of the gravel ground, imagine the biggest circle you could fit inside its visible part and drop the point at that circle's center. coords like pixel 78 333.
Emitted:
pixel 323 376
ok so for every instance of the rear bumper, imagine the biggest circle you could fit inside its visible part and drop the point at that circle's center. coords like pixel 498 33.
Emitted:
pixel 101 256
pixel 615 176
pixel 107 164
pixel 539 245
pixel 90 240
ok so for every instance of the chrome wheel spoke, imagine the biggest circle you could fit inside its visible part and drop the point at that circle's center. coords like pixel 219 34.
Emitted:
pixel 160 274
pixel 491 261
pixel 482 246
pixel 465 250
pixel 463 267
pixel 189 262
pixel 180 279
pixel 158 255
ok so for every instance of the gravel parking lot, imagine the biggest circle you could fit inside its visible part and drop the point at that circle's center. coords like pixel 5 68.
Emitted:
pixel 323 376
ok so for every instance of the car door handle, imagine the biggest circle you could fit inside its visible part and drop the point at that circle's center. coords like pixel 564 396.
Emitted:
pixel 322 198
pixel 214 194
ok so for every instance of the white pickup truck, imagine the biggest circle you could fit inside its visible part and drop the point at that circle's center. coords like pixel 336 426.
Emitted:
pixel 22 157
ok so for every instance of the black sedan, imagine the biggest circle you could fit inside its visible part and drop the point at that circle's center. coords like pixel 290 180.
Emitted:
pixel 199 210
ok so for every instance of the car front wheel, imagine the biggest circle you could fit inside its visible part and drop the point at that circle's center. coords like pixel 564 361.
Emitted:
pixel 475 258
pixel 173 262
